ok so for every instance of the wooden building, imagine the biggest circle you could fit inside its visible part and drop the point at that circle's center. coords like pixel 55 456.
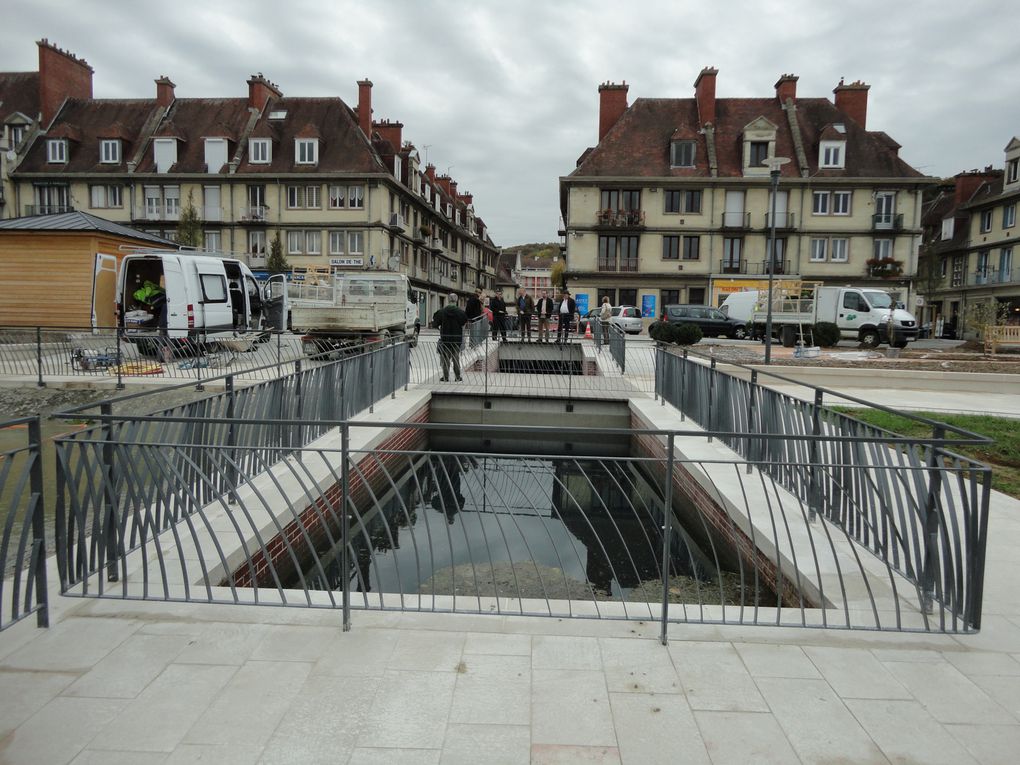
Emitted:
pixel 61 270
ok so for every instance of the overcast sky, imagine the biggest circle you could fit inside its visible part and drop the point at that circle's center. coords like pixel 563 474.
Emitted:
pixel 504 95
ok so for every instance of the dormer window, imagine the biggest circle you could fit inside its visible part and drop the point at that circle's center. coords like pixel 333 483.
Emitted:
pixel 397 168
pixel 164 153
pixel 682 154
pixel 56 150
pixel 278 114
pixel 14 135
pixel 832 154
pixel 306 151
pixel 215 154
pixel 758 152
pixel 260 151
pixel 1013 171
pixel 109 151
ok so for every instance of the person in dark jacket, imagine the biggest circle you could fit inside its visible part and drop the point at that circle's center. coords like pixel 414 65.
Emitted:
pixel 525 309
pixel 450 321
pixel 567 312
pixel 545 311
pixel 473 309
pixel 498 308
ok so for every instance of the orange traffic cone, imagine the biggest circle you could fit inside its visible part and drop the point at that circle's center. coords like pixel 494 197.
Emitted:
pixel 587 331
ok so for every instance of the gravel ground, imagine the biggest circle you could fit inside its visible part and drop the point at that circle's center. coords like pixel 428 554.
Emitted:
pixel 28 400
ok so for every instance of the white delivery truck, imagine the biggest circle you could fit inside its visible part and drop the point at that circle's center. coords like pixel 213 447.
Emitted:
pixel 186 298
pixel 336 310
pixel 865 314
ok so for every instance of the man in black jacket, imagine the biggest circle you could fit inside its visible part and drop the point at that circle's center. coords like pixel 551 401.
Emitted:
pixel 450 321
pixel 473 309
pixel 498 308
pixel 544 307
pixel 567 311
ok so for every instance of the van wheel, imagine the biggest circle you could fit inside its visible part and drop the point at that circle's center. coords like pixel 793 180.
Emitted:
pixel 869 338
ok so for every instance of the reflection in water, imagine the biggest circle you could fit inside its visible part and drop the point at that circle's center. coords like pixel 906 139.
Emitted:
pixel 516 527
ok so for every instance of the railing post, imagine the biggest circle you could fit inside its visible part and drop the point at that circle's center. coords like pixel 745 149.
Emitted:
pixel 199 358
pixel 345 493
pixel 108 479
pixel 814 467
pixel 485 364
pixel 752 409
pixel 298 409
pixel 38 356
pixel 393 366
pixel 683 387
pixel 656 369
pixel 278 341
pixel 371 381
pixel 231 439
pixel 711 399
pixel 120 359
pixel 667 526
pixel 38 505
pixel 931 522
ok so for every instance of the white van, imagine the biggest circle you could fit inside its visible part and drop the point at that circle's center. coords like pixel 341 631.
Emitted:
pixel 186 296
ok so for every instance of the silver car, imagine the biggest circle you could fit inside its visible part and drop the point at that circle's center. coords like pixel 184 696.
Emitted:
pixel 627 318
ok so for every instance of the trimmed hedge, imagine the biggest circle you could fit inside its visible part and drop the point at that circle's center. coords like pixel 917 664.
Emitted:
pixel 675 334
pixel 826 334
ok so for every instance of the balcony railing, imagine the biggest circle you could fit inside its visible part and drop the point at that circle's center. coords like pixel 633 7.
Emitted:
pixel 145 212
pixel 887 222
pixel 629 265
pixel 47 209
pixel 778 267
pixel 255 214
pixel 620 218
pixel 732 267
pixel 784 220
pixel 736 220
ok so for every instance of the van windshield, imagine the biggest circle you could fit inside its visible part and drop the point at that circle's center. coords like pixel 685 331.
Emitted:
pixel 878 299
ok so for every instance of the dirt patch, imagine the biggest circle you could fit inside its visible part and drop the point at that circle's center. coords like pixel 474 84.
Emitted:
pixel 29 400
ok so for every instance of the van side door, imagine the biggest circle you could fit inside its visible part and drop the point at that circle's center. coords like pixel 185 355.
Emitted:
pixel 212 307
pixel 852 312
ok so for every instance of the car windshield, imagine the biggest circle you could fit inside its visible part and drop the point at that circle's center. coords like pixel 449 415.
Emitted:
pixel 878 299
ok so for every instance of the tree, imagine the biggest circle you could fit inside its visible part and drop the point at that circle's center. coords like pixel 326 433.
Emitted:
pixel 277 263
pixel 558 274
pixel 189 226
pixel 984 313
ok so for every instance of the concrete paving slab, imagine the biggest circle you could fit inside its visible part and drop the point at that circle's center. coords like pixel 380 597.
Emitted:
pixel 907 733
pixel 855 674
pixel 714 678
pixel 557 652
pixel 23 693
pixel 58 731
pixel 491 700
pixel 571 706
pixel 128 668
pixel 638 666
pixel 486 745
pixel 989 744
pixel 566 754
pixel 776 660
pixel 384 756
pixel 221 754
pixel 948 695
pixel 410 711
pixel 656 728
pixel 736 738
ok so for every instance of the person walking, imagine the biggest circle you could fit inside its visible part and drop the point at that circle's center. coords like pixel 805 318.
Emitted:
pixel 473 308
pixel 545 310
pixel 605 314
pixel 525 308
pixel 568 309
pixel 450 321
pixel 498 308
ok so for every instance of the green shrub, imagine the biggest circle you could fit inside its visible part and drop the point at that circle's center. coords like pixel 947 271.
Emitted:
pixel 826 334
pixel 688 334
pixel 659 330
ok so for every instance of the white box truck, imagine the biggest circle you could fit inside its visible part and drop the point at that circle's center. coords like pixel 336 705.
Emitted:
pixel 865 314
pixel 336 310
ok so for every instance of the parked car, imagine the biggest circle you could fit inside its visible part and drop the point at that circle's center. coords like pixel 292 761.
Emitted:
pixel 711 321
pixel 626 317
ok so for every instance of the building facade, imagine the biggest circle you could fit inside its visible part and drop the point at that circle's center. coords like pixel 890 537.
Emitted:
pixel 968 275
pixel 340 189
pixel 674 206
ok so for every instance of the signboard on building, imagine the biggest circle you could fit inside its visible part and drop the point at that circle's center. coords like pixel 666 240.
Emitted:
pixel 582 303
pixel 723 287
pixel 648 306
pixel 347 262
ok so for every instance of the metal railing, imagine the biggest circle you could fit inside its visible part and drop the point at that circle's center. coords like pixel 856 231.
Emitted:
pixel 618 346
pixel 913 503
pixel 50 353
pixel 23 588
pixel 410 525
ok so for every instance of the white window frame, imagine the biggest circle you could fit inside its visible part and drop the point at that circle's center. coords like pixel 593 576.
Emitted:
pixel 164 153
pixel 1013 170
pixel 56 151
pixel 820 203
pixel 313 197
pixel 109 151
pixel 883 248
pixel 306 151
pixel 986 221
pixel 172 202
pixel 819 250
pixel 832 154
pixel 213 241
pixel 356 197
pixel 948 228
pixel 260 151
pixel 104 196
pixel 313 242
pixel 842 202
pixel 677 153
pixel 337 197
pixel 295 242
pixel 295 197
pixel 355 242
pixel 338 238
pixel 839 250
pixel 1009 215
pixel 215 149
pixel 257 243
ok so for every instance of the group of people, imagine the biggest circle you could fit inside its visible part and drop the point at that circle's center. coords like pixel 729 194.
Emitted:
pixel 450 320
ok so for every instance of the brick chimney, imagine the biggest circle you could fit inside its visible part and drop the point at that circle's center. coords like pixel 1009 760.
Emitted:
pixel 365 106
pixel 61 75
pixel 430 172
pixel 612 105
pixel 852 100
pixel 453 188
pixel 164 91
pixel 704 92
pixel 260 91
pixel 390 131
pixel 967 183
pixel 786 88
pixel 467 198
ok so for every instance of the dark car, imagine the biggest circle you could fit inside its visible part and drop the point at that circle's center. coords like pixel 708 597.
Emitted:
pixel 711 321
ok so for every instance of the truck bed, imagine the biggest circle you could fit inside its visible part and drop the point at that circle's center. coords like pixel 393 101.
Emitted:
pixel 310 316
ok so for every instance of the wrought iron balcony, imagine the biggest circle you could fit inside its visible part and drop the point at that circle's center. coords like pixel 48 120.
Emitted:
pixel 887 222
pixel 732 266
pixel 255 214
pixel 738 220
pixel 620 218
pixel 784 221
pixel 778 267
pixel 629 265
pixel 47 209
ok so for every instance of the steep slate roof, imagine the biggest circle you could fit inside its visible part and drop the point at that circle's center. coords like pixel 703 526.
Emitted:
pixel 342 147
pixel 19 92
pixel 191 120
pixel 79 221
pixel 85 123
pixel 638 144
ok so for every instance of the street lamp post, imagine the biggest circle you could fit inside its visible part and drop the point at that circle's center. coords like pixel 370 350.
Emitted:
pixel 775 164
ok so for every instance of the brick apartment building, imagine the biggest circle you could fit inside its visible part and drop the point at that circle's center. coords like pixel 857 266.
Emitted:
pixel 672 205
pixel 340 188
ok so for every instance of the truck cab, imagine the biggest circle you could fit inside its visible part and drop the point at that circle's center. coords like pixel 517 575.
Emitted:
pixel 868 315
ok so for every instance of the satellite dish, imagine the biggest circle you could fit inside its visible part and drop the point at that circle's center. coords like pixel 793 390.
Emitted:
pixel 393 262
